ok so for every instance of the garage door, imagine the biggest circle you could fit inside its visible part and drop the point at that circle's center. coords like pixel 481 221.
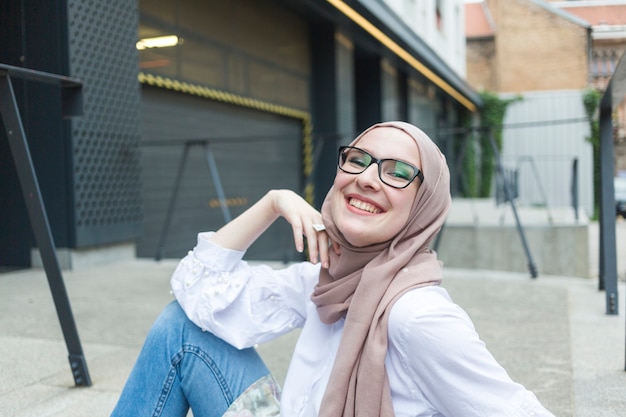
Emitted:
pixel 186 140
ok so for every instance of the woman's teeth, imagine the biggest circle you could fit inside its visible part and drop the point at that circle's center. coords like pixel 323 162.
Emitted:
pixel 362 205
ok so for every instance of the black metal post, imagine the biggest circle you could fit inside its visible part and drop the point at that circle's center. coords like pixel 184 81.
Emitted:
pixel 179 175
pixel 173 198
pixel 608 251
pixel 217 182
pixel 39 223
pixel 507 193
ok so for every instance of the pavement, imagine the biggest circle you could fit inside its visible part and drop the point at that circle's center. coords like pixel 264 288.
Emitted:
pixel 552 334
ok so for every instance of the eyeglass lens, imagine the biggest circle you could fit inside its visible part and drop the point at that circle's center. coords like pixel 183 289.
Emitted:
pixel 391 171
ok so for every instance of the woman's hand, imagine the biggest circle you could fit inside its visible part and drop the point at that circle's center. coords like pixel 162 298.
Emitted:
pixel 303 219
pixel 243 230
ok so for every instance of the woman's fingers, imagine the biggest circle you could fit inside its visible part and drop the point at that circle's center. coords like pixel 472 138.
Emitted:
pixel 306 222
pixel 312 243
pixel 298 234
pixel 319 245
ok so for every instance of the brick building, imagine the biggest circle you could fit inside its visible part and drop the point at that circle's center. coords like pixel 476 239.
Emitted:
pixel 522 45
pixel 573 45
pixel 530 48
pixel 608 33
pixel 480 46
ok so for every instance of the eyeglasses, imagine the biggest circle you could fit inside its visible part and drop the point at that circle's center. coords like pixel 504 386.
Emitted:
pixel 393 172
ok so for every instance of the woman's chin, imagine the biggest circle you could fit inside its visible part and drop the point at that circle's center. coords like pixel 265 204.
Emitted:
pixel 357 236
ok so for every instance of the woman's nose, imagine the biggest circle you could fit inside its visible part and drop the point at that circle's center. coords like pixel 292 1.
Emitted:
pixel 369 177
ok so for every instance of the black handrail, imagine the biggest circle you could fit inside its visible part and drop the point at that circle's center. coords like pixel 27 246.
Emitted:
pixel 71 103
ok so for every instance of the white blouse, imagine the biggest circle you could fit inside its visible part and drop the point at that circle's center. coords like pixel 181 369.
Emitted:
pixel 436 363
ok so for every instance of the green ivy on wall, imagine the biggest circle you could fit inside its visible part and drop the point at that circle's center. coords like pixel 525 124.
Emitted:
pixel 479 162
pixel 491 120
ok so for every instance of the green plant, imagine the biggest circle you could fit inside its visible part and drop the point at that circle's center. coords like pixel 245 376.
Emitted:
pixel 491 119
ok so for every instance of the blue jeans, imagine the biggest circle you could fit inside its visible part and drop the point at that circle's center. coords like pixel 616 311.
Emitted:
pixel 180 366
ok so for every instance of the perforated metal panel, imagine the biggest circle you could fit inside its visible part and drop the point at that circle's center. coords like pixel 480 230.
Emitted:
pixel 102 37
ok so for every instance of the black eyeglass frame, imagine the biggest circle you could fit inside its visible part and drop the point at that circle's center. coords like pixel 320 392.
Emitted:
pixel 417 173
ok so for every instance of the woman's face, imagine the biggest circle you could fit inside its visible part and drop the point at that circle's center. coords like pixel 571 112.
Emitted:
pixel 365 210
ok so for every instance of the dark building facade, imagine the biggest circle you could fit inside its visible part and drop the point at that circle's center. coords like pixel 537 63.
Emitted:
pixel 89 167
pixel 195 109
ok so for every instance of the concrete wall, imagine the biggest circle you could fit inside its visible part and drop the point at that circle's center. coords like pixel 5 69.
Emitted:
pixel 556 250
pixel 479 234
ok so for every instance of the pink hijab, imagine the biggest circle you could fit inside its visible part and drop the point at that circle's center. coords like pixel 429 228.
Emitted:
pixel 362 284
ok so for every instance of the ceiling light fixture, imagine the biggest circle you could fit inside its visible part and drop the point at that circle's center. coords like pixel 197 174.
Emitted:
pixel 158 42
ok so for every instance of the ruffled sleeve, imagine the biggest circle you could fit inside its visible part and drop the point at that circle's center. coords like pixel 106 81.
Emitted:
pixel 241 303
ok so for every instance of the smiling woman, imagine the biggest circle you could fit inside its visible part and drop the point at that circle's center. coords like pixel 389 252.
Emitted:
pixel 369 294
pixel 368 205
